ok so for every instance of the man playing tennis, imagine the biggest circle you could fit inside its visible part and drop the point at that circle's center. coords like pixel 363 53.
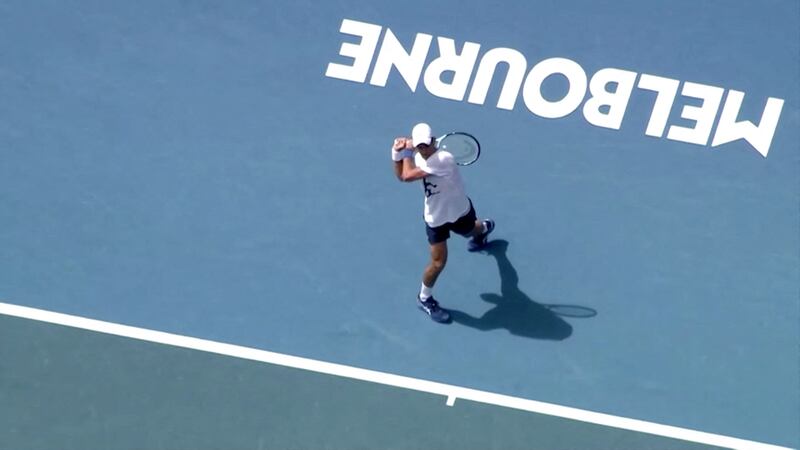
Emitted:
pixel 447 207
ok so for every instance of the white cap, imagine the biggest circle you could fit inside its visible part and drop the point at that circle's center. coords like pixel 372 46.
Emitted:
pixel 421 134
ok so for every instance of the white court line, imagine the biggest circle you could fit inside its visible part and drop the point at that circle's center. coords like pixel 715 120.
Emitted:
pixel 449 391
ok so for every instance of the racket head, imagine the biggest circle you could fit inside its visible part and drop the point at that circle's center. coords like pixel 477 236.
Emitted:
pixel 463 146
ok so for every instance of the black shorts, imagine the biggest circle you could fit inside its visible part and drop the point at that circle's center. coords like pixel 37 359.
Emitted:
pixel 463 226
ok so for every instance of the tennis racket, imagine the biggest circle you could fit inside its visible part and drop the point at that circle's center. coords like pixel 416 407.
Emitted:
pixel 463 146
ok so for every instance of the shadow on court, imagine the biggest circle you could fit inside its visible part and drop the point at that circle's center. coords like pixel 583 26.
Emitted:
pixel 515 311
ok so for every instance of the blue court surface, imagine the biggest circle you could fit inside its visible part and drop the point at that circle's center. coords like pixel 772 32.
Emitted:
pixel 221 170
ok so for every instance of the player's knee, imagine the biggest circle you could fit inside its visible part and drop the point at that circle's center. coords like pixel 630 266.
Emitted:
pixel 438 264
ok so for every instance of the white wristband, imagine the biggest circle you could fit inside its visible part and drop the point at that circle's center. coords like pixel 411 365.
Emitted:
pixel 399 156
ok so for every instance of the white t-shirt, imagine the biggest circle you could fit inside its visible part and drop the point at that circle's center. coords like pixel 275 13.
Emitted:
pixel 445 197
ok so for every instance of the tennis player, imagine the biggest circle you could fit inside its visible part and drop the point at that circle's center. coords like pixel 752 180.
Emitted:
pixel 447 207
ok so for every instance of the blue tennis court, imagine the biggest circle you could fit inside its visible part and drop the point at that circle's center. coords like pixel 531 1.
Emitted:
pixel 221 171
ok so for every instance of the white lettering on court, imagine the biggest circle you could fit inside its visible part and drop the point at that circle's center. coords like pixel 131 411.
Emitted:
pixel 393 54
pixel 609 90
pixel 517 65
pixel 617 101
pixel 361 53
pixel 460 64
pixel 532 91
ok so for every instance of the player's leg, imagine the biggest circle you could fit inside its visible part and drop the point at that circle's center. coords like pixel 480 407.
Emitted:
pixel 479 234
pixel 471 227
pixel 435 267
pixel 437 238
pixel 479 227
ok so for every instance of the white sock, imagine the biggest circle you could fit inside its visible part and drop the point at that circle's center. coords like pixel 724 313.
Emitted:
pixel 425 292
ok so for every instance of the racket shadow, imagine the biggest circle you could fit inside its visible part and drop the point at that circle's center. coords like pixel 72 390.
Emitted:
pixel 514 310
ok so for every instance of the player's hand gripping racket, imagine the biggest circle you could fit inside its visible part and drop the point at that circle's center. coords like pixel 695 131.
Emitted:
pixel 463 146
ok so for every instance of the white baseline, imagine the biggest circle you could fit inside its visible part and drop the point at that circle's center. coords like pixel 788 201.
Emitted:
pixel 450 392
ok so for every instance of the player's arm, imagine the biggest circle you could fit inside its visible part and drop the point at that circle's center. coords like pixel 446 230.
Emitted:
pixel 398 147
pixel 410 171
pixel 404 167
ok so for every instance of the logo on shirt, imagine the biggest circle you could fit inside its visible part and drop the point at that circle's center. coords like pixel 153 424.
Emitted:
pixel 428 191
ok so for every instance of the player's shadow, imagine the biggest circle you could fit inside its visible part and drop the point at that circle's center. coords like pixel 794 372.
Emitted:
pixel 514 310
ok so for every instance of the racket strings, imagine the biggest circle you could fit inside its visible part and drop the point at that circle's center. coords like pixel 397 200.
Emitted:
pixel 464 148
